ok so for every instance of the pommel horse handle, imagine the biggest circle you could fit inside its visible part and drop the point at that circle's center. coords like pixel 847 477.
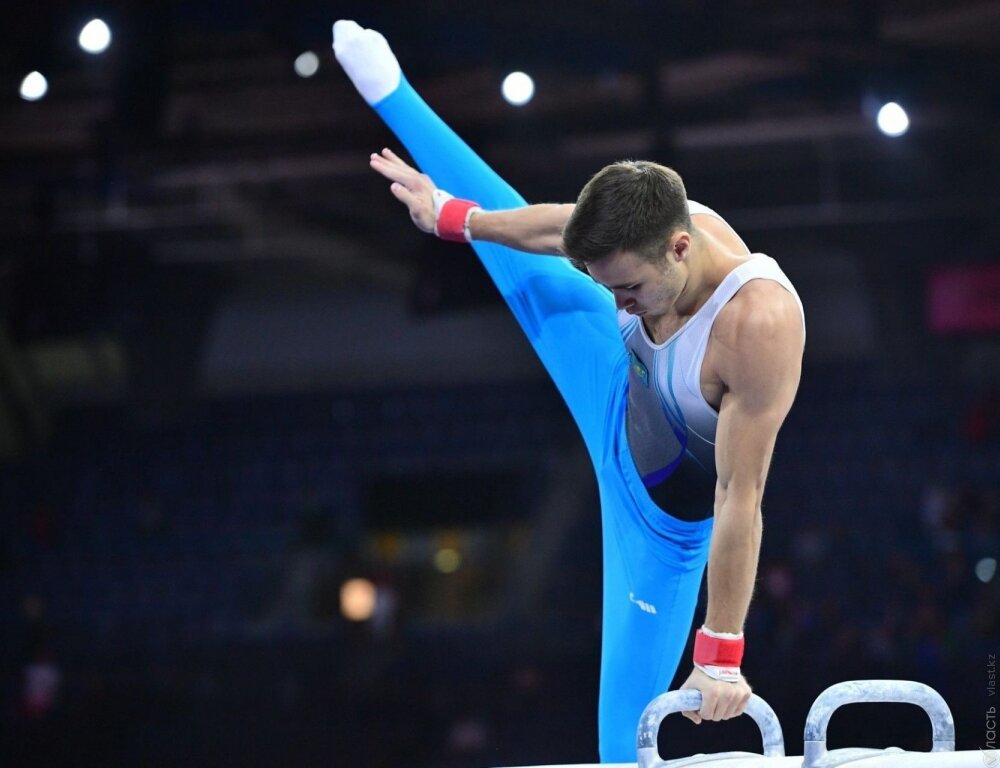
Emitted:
pixel 690 700
pixel 878 691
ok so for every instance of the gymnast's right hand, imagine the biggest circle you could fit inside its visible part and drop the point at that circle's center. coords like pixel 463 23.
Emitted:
pixel 413 189
pixel 433 210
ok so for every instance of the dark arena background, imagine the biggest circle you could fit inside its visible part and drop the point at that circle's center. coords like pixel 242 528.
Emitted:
pixel 281 483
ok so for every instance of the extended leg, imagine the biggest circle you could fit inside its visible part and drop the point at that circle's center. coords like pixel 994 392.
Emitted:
pixel 569 319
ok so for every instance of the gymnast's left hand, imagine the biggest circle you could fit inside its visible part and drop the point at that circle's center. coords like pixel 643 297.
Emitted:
pixel 720 700
pixel 412 188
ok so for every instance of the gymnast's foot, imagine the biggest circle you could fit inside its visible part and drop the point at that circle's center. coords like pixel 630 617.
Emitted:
pixel 367 59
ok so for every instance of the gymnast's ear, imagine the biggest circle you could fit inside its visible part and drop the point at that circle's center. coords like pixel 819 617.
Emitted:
pixel 679 245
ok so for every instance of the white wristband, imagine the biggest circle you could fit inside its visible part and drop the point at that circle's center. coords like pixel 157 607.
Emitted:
pixel 441 200
pixel 468 220
pixel 725 674
pixel 721 635
pixel 440 197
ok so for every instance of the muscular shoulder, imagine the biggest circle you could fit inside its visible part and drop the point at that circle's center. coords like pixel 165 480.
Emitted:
pixel 762 310
pixel 758 336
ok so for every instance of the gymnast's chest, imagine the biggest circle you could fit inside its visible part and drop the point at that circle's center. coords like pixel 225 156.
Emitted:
pixel 672 381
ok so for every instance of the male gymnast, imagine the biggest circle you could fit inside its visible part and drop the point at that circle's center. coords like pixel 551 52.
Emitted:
pixel 678 352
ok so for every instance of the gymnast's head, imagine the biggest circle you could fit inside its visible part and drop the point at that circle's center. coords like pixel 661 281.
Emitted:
pixel 631 205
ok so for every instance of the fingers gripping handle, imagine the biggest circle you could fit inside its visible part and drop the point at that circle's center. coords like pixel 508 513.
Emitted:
pixel 876 691
pixel 690 701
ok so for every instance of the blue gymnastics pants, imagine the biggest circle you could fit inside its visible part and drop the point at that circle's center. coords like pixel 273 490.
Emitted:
pixel 653 563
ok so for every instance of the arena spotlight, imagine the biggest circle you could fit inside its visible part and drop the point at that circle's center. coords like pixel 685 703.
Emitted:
pixel 95 37
pixel 34 86
pixel 307 64
pixel 517 89
pixel 892 119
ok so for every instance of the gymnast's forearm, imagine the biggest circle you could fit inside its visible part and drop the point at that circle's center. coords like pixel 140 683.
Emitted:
pixel 732 564
pixel 534 229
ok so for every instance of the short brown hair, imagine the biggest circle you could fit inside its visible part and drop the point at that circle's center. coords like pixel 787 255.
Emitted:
pixel 632 205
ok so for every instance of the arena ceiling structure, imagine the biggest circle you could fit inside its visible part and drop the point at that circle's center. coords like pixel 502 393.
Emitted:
pixel 190 161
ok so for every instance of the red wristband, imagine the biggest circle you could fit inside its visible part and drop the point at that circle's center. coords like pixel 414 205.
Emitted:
pixel 716 651
pixel 450 224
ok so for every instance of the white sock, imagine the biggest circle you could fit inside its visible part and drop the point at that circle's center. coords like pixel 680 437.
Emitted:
pixel 367 59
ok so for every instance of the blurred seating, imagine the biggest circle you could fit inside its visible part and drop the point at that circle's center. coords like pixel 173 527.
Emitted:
pixel 170 541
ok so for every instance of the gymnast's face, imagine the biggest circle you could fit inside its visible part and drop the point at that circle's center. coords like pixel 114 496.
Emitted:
pixel 640 286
